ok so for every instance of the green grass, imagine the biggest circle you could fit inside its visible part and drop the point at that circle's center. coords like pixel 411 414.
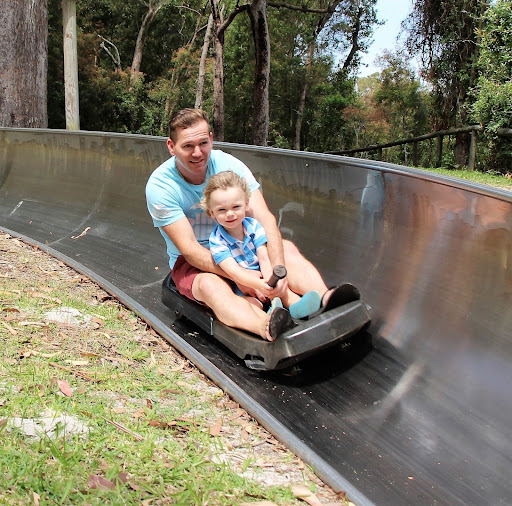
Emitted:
pixel 486 178
pixel 147 412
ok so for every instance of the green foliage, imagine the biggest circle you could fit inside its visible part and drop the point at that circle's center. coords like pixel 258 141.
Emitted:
pixel 493 91
pixel 443 34
pixel 399 93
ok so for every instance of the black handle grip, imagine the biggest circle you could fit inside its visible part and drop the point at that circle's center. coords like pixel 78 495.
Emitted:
pixel 279 273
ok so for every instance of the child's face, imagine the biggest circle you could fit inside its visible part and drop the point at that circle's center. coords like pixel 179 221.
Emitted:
pixel 228 207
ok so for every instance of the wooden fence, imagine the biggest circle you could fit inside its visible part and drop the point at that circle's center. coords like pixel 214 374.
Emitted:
pixel 439 135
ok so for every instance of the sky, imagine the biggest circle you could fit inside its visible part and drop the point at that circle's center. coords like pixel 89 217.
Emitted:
pixel 393 12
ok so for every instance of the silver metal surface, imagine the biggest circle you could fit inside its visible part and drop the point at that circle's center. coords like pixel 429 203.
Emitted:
pixel 430 419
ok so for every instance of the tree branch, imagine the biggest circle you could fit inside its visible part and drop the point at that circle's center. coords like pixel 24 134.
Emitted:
pixel 237 10
pixel 279 5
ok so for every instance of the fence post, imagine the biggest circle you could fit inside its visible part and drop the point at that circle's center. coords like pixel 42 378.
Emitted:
pixel 379 154
pixel 439 151
pixel 472 151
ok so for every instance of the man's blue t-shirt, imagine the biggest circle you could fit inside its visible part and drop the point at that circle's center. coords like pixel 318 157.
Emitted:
pixel 169 197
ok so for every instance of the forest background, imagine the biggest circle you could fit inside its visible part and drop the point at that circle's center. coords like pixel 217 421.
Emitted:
pixel 280 73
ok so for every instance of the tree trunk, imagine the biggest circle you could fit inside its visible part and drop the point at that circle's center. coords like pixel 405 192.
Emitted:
pixel 23 63
pixel 71 98
pixel 218 72
pixel 258 15
pixel 303 93
pixel 462 144
pixel 141 37
pixel 202 63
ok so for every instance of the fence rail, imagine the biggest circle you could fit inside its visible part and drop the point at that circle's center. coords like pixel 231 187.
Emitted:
pixel 440 135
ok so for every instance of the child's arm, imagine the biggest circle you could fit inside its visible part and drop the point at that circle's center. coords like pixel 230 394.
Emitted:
pixel 264 261
pixel 245 277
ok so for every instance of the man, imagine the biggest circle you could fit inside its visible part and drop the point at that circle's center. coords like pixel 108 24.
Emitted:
pixel 173 193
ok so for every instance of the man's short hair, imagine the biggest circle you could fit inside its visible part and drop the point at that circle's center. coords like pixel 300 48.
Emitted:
pixel 185 119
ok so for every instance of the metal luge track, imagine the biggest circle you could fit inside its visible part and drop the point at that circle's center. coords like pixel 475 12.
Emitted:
pixel 415 411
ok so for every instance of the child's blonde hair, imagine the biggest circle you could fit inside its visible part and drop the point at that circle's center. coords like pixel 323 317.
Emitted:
pixel 223 181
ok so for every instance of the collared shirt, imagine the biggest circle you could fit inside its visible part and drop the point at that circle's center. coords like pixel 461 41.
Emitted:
pixel 223 245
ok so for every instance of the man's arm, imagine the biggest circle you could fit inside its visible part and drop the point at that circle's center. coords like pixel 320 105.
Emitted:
pixel 182 235
pixel 260 211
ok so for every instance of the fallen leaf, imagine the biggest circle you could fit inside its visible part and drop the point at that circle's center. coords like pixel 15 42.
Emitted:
pixel 123 477
pixel 39 295
pixel 82 234
pixel 34 324
pixel 28 353
pixel 99 482
pixel 167 391
pixel 99 322
pixel 258 503
pixel 216 428
pixel 64 388
pixel 40 389
pixel 305 494
pixel 238 414
pixel 149 403
pixel 9 328
pixel 139 413
pixel 118 410
pixel 11 309
pixel 51 355
pixel 36 498
pixel 77 362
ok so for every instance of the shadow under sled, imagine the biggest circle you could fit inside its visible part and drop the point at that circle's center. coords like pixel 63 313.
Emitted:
pixel 308 337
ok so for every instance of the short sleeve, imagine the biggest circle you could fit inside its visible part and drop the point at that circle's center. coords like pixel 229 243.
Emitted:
pixel 259 236
pixel 163 201
pixel 218 248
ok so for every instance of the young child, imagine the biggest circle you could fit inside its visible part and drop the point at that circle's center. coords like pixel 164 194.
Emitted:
pixel 238 243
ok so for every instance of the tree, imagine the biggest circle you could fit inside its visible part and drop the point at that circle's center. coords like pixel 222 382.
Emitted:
pixel 493 91
pixel 399 94
pixel 23 63
pixel 153 6
pixel 344 27
pixel 70 65
pixel 444 33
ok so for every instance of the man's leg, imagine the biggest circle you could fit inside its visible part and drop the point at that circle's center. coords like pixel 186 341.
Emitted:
pixel 229 308
pixel 302 275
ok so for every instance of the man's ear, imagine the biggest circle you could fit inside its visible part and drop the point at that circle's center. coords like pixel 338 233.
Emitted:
pixel 170 146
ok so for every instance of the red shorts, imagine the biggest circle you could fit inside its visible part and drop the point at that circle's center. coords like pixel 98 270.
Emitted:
pixel 183 275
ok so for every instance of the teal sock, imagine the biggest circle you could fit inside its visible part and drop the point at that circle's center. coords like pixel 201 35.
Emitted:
pixel 309 303
pixel 275 303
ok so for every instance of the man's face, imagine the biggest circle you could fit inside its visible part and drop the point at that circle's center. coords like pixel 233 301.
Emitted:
pixel 192 150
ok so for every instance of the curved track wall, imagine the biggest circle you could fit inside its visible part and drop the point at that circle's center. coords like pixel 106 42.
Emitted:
pixel 418 411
